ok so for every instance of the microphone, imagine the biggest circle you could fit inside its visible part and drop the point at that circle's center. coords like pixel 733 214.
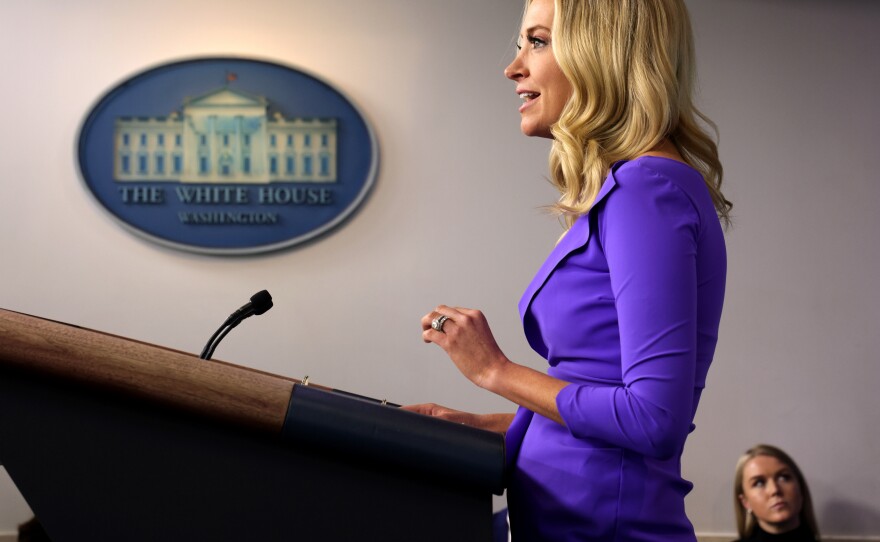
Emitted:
pixel 260 302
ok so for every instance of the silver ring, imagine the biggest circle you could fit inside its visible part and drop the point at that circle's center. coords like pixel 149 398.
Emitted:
pixel 437 323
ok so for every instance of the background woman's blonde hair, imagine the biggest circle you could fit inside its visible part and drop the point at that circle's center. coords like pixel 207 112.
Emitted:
pixel 745 522
pixel 631 67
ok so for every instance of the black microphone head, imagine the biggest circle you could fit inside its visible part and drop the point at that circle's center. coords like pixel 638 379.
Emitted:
pixel 261 302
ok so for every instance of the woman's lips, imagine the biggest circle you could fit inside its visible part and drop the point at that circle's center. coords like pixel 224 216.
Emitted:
pixel 528 98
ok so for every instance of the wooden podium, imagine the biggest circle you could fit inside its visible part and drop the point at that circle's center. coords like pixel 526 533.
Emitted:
pixel 113 439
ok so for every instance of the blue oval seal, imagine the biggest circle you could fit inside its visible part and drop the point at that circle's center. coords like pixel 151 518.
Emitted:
pixel 227 155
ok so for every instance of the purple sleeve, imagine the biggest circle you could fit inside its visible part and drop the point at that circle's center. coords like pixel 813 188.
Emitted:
pixel 648 230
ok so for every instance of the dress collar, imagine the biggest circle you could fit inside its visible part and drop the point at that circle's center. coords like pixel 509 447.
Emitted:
pixel 575 238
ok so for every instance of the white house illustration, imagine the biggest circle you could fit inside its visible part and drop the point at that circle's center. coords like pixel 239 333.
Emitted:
pixel 225 136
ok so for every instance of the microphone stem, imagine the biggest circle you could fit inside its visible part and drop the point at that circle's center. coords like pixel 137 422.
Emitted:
pixel 219 335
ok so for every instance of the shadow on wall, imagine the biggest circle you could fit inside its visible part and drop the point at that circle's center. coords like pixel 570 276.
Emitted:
pixel 845 517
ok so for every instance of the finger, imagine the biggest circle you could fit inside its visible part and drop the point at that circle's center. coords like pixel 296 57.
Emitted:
pixel 424 408
pixel 430 409
pixel 431 335
pixel 451 312
pixel 469 314
pixel 441 324
pixel 437 320
pixel 442 310
pixel 429 318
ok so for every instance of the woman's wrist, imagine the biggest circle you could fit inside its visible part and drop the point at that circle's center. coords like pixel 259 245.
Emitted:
pixel 492 380
pixel 526 387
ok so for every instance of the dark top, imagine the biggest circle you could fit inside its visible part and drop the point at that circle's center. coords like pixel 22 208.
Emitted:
pixel 801 534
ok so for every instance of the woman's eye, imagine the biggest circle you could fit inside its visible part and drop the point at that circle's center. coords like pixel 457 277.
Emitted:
pixel 537 43
pixel 533 41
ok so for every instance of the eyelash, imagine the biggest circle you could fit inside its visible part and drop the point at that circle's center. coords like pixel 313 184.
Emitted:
pixel 784 477
pixel 536 43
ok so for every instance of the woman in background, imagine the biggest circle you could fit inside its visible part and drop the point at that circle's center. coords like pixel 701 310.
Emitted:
pixel 626 308
pixel 771 498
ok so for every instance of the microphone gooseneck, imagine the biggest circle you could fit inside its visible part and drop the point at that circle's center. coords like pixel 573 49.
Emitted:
pixel 260 302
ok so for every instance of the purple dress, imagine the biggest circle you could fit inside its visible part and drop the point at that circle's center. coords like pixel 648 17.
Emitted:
pixel 626 308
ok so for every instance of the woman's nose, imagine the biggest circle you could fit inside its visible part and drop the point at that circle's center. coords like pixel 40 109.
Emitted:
pixel 516 69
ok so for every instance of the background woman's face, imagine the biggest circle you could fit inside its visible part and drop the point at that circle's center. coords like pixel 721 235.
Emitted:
pixel 539 80
pixel 771 491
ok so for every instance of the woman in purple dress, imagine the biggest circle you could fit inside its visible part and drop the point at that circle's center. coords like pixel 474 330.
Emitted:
pixel 626 308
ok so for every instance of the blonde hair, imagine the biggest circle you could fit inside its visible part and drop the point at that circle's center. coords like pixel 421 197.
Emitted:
pixel 631 67
pixel 745 522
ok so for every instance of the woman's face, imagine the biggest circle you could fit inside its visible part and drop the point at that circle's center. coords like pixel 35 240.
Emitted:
pixel 771 491
pixel 539 81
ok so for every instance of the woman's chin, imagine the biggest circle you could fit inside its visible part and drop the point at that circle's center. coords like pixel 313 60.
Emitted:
pixel 533 130
pixel 780 523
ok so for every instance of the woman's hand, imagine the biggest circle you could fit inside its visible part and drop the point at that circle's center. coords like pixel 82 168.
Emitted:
pixel 468 341
pixel 438 411
pixel 490 422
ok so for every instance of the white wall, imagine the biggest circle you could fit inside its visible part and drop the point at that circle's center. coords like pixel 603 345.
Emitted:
pixel 454 217
pixel 793 85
